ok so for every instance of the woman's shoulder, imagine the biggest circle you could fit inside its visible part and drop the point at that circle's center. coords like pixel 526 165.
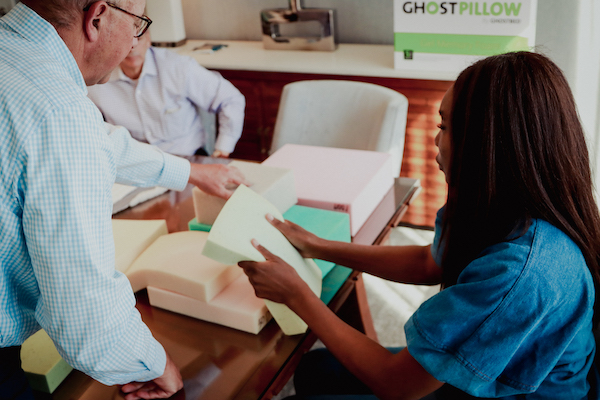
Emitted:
pixel 547 238
pixel 543 254
pixel 541 241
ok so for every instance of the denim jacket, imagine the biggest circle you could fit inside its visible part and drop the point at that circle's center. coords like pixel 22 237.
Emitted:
pixel 519 321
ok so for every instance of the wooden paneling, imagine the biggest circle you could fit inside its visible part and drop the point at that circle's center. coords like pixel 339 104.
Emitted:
pixel 263 92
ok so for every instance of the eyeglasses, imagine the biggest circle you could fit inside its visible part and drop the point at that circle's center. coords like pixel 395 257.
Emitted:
pixel 142 22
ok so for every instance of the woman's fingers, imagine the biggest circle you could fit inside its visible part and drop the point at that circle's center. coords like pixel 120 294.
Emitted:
pixel 266 253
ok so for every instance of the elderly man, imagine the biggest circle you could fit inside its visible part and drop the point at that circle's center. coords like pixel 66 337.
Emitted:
pixel 58 162
pixel 158 94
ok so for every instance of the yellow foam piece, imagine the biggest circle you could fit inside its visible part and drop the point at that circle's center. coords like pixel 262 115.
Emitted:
pixel 229 242
pixel 44 367
pixel 175 262
pixel 132 237
pixel 275 184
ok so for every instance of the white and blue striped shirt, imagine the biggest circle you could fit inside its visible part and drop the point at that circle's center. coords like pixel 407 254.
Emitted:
pixel 162 107
pixel 58 163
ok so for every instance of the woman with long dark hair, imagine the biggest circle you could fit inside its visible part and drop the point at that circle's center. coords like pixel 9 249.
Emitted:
pixel 517 251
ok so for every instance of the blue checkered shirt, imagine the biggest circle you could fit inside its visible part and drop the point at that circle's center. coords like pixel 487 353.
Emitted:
pixel 58 162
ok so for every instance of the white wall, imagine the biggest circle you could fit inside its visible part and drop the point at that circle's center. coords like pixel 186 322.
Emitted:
pixel 371 21
pixel 358 21
pixel 565 32
pixel 569 33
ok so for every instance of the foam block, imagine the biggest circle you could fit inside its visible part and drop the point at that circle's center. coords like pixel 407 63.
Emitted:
pixel 44 367
pixel 175 262
pixel 194 225
pixel 330 225
pixel 345 180
pixel 273 183
pixel 243 219
pixel 236 306
pixel 333 282
pixel 132 237
pixel 206 207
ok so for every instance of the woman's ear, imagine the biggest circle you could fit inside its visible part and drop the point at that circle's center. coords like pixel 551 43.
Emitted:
pixel 94 19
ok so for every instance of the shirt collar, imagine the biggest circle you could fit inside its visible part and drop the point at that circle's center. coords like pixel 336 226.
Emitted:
pixel 149 68
pixel 35 29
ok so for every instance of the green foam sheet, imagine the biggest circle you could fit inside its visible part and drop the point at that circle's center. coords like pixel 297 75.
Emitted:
pixel 194 225
pixel 326 224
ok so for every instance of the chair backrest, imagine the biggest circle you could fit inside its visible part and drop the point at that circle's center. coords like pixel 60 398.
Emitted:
pixel 344 114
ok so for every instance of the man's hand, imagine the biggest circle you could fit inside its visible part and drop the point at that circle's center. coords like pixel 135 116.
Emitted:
pixel 216 179
pixel 220 154
pixel 162 387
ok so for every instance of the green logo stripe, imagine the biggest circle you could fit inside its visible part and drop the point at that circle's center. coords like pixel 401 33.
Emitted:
pixel 472 45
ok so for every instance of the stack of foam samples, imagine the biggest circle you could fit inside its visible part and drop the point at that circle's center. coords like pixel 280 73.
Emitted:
pixel 329 192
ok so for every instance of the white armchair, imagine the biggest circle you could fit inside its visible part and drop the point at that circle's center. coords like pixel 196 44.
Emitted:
pixel 344 114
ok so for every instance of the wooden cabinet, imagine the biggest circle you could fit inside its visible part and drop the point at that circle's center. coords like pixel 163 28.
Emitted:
pixel 263 92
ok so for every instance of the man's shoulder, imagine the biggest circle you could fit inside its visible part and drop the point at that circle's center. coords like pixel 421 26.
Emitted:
pixel 37 70
pixel 38 82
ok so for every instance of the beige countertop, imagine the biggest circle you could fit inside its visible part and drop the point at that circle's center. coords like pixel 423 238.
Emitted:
pixel 348 59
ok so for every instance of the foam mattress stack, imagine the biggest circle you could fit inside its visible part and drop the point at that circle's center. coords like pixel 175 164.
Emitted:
pixel 345 180
pixel 179 278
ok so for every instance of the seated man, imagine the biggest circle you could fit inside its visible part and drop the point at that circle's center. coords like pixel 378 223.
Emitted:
pixel 157 94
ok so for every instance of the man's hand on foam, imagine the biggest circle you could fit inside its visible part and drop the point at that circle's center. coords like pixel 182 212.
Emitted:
pixel 216 179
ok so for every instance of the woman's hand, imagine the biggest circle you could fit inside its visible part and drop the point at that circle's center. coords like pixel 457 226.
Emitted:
pixel 273 279
pixel 304 241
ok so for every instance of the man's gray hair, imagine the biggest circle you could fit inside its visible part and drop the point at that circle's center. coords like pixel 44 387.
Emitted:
pixel 62 13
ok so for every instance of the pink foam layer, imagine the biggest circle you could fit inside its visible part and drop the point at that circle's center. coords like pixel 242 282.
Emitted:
pixel 236 306
pixel 345 180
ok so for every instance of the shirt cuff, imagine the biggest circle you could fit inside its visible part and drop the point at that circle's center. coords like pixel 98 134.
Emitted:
pixel 225 143
pixel 158 360
pixel 176 173
pixel 155 359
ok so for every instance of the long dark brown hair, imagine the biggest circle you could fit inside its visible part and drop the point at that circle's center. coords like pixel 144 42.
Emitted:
pixel 518 153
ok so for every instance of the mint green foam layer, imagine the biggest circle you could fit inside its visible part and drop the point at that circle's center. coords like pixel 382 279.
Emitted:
pixel 194 225
pixel 330 225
